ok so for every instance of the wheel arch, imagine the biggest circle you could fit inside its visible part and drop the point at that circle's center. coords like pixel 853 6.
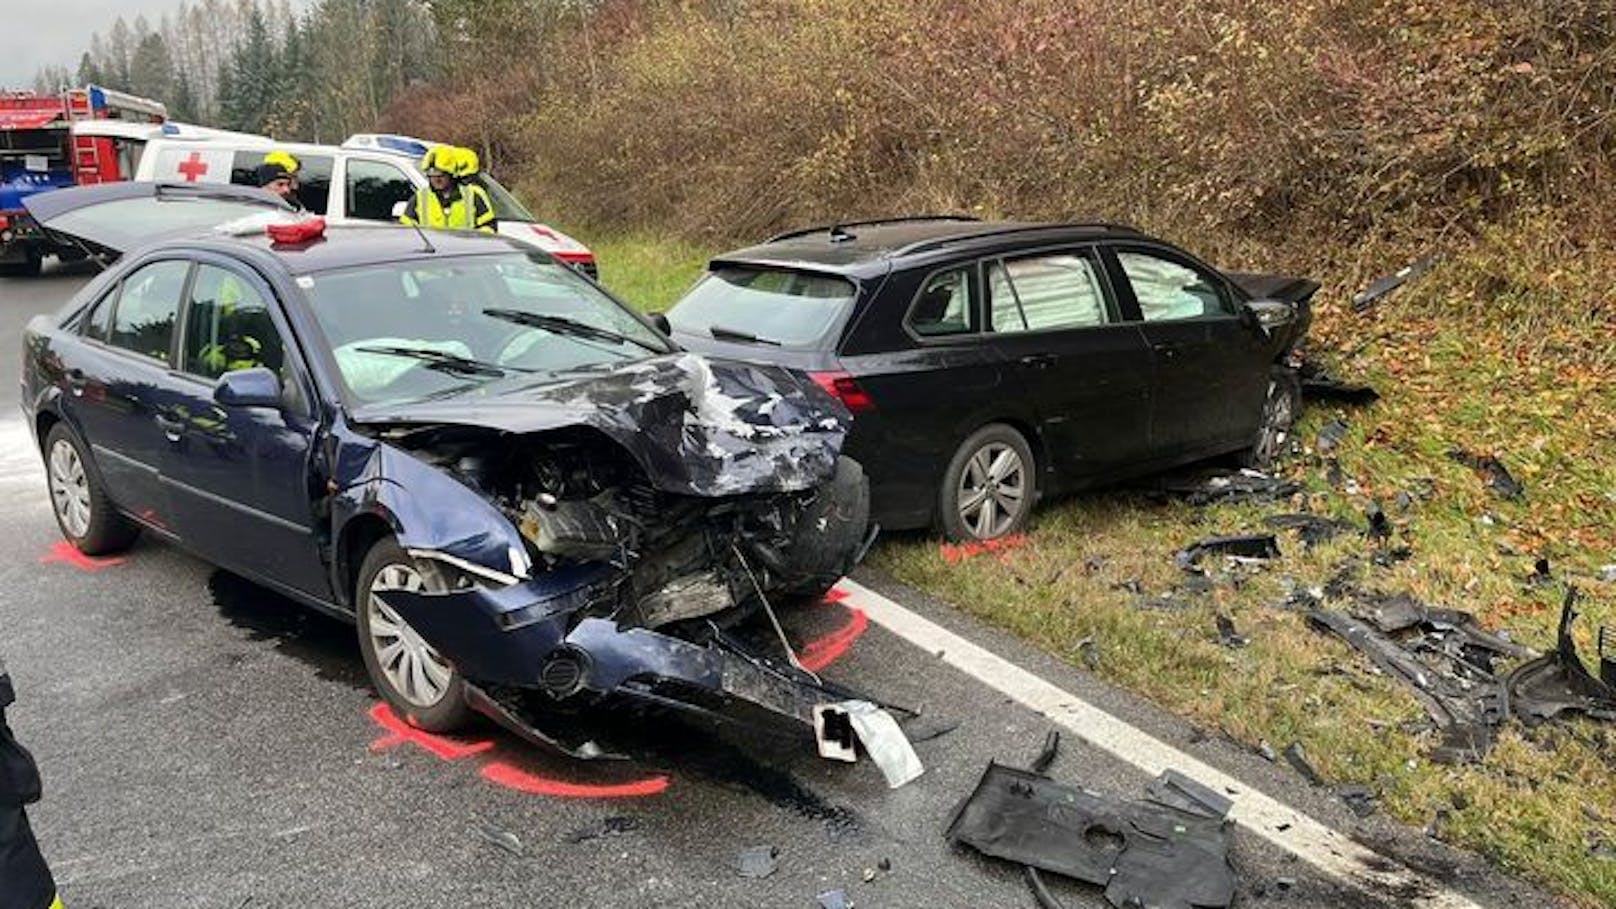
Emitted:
pixel 358 534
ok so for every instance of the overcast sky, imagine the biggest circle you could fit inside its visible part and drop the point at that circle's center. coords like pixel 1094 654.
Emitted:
pixel 38 32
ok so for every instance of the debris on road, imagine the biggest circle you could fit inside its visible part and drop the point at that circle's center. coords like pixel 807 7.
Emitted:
pixel 504 839
pixel 1252 547
pixel 1357 798
pixel 757 862
pixel 883 739
pixel 1204 487
pixel 616 825
pixel 1296 756
pixel 1169 849
pixel 1497 475
pixel 835 899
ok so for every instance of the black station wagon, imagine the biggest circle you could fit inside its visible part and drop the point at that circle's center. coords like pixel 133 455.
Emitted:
pixel 988 364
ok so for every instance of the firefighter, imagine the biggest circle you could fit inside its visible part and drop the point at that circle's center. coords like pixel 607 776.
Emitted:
pixel 278 174
pixel 452 200
pixel 25 881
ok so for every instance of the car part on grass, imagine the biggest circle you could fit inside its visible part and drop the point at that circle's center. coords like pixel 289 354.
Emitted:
pixel 1318 385
pixel 1380 526
pixel 1227 635
pixel 1498 476
pixel 757 861
pixel 1466 709
pixel 1167 850
pixel 1381 287
pixel 1330 436
pixel 1207 487
pixel 1254 547
pixel 1313 529
pixel 1558 682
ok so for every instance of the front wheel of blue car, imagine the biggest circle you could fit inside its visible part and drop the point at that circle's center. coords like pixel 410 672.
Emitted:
pixel 407 671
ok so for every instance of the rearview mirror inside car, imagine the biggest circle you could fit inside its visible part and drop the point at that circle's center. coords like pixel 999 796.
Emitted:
pixel 1272 314
pixel 255 387
pixel 659 321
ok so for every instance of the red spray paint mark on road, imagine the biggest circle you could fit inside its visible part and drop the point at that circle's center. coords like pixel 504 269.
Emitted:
pixel 67 553
pixel 954 553
pixel 512 777
pixel 503 773
pixel 823 651
pixel 399 732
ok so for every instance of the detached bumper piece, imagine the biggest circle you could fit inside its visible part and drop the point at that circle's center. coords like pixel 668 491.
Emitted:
pixel 1169 850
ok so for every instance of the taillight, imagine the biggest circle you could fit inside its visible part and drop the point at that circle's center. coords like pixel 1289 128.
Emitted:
pixel 5 221
pixel 846 389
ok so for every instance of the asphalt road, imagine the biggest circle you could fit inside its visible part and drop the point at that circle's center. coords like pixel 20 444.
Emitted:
pixel 205 743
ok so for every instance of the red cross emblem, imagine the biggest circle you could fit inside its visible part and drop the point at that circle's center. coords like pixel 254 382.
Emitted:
pixel 193 167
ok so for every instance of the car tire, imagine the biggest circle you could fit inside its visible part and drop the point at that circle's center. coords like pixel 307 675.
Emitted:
pixel 85 514
pixel 830 533
pixel 990 486
pixel 1281 406
pixel 414 680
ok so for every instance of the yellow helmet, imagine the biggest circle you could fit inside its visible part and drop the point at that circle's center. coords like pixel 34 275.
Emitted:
pixel 466 163
pixel 284 160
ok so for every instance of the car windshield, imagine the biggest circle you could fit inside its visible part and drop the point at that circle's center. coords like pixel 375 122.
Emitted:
pixel 426 328
pixel 763 306
pixel 506 206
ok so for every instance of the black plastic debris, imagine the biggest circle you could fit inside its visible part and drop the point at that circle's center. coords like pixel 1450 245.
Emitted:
pixel 1227 635
pixel 1380 526
pixel 1359 799
pixel 1497 475
pixel 1173 854
pixel 1558 682
pixel 1381 287
pixel 1466 709
pixel 757 862
pixel 1261 547
pixel 1318 385
pixel 1296 756
pixel 1330 436
pixel 1207 487
pixel 1313 529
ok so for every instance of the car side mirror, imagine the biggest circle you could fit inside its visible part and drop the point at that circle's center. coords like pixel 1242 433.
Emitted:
pixel 659 321
pixel 1271 314
pixel 255 387
pixel 398 209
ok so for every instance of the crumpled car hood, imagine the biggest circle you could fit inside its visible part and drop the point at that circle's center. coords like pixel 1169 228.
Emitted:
pixel 696 426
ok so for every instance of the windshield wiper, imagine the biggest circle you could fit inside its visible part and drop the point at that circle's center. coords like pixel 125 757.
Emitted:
pixel 721 333
pixel 447 362
pixel 562 325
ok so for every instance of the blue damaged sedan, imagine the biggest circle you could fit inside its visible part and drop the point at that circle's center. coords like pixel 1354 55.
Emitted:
pixel 532 505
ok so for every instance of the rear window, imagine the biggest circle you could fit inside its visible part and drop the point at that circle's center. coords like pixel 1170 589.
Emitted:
pixel 770 306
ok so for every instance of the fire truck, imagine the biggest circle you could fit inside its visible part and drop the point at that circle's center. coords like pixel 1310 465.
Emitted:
pixel 41 150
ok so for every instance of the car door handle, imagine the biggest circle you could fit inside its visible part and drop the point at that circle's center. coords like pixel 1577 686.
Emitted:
pixel 76 381
pixel 172 428
pixel 1038 361
pixel 1165 349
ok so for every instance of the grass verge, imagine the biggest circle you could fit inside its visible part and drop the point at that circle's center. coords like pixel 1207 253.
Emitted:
pixel 1469 358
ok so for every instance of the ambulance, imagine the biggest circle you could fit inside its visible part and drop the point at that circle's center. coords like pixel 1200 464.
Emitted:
pixel 368 178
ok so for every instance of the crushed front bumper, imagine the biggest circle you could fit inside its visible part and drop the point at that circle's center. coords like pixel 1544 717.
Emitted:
pixel 527 637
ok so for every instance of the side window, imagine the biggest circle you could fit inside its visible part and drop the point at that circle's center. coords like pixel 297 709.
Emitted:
pixel 373 188
pixel 944 306
pixel 313 176
pixel 1167 290
pixel 1042 293
pixel 148 307
pixel 99 321
pixel 228 326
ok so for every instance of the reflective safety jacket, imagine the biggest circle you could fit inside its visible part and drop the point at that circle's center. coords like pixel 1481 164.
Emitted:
pixel 469 208
pixel 25 881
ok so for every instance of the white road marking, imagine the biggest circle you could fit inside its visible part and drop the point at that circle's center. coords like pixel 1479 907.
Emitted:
pixel 1287 828
pixel 19 457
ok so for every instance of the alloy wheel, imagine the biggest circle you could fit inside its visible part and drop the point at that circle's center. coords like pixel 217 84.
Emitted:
pixel 70 488
pixel 1276 423
pixel 992 490
pixel 412 666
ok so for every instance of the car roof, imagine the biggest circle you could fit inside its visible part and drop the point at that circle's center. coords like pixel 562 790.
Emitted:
pixel 871 248
pixel 350 245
